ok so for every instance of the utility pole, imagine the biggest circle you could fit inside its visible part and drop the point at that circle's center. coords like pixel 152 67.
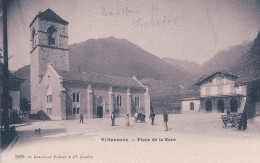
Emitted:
pixel 5 69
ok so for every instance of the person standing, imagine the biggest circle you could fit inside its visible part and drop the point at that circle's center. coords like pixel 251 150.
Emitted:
pixel 244 119
pixel 152 115
pixel 165 119
pixel 127 120
pixel 243 122
pixel 81 118
pixel 136 116
pixel 113 118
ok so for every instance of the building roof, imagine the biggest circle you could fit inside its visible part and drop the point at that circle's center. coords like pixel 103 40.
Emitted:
pixel 51 16
pixel 211 76
pixel 73 76
pixel 250 71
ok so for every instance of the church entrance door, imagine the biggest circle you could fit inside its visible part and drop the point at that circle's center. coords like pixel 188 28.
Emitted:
pixel 100 107
pixel 100 111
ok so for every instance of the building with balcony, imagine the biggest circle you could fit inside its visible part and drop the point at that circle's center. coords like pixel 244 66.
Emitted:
pixel 217 94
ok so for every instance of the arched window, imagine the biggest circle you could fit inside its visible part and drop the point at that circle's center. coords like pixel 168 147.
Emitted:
pixel 192 106
pixel 52 35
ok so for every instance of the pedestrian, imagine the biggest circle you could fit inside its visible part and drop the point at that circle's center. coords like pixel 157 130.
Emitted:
pixel 243 121
pixel 152 116
pixel 136 116
pixel 113 118
pixel 127 120
pixel 81 118
pixel 165 119
pixel 244 117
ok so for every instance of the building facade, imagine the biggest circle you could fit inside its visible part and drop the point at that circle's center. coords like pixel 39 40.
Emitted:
pixel 64 94
pixel 218 93
pixel 190 105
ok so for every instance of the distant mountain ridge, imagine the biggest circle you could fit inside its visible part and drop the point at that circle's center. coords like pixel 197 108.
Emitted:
pixel 228 60
pixel 120 57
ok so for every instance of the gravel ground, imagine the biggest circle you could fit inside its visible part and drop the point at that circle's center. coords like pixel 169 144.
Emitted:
pixel 196 137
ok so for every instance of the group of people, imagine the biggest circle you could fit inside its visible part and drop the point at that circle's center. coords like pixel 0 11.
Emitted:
pixel 141 116
pixel 137 116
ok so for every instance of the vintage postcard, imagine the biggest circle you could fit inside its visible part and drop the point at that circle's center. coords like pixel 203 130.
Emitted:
pixel 130 81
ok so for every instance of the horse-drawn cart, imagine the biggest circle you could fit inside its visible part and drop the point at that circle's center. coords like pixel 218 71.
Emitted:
pixel 232 119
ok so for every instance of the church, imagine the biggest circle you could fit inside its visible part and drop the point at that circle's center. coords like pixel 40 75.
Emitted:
pixel 63 94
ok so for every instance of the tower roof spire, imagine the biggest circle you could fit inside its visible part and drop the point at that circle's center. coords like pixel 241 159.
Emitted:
pixel 51 16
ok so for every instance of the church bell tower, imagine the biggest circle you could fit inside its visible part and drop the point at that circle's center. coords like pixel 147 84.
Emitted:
pixel 49 45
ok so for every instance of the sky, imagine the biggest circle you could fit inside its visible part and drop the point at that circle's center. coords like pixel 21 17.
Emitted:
pixel 193 30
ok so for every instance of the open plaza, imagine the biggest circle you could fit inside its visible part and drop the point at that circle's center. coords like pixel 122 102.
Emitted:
pixel 196 137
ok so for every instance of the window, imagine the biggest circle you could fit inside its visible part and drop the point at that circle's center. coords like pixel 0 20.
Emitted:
pixel 52 32
pixel 119 100
pixel 49 110
pixel 49 98
pixel 137 101
pixel 75 110
pixel 192 106
pixel 75 97
pixel 33 39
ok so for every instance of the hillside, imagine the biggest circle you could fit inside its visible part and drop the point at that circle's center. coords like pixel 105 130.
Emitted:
pixel 122 58
pixel 24 73
pixel 180 64
pixel 160 88
pixel 228 60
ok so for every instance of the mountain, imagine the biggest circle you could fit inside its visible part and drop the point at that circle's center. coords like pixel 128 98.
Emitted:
pixel 24 73
pixel 122 58
pixel 228 60
pixel 180 64
pixel 160 88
